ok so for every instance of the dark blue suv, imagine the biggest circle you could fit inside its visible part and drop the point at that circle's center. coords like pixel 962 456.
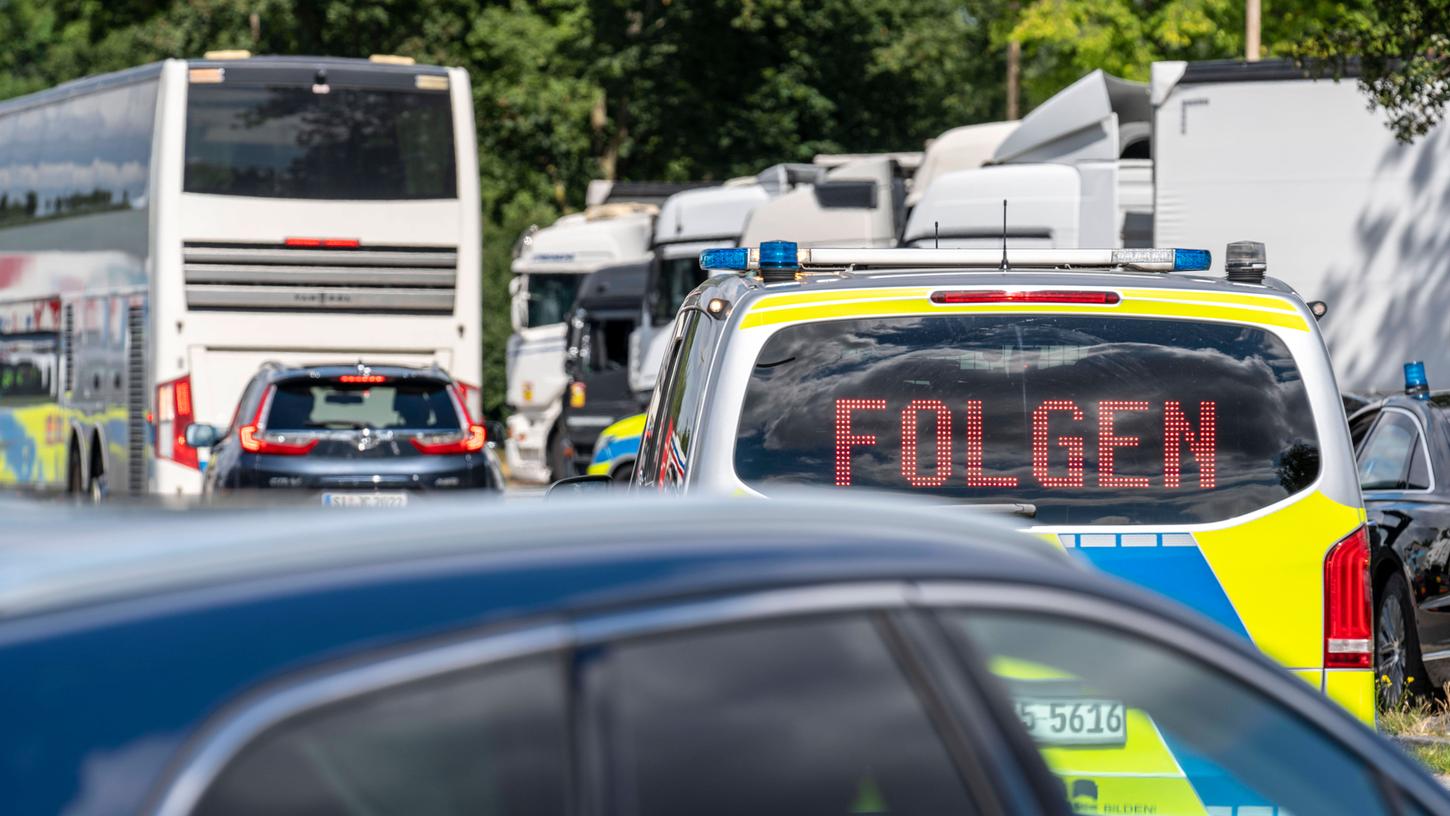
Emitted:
pixel 356 435
pixel 798 656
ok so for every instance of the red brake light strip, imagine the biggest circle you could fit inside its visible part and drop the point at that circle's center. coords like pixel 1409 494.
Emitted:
pixel 951 297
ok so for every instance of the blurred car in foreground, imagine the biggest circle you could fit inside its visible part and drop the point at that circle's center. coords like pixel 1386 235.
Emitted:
pixel 1403 449
pixel 358 435
pixel 804 657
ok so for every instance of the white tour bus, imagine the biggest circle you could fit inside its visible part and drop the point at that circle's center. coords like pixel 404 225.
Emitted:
pixel 166 229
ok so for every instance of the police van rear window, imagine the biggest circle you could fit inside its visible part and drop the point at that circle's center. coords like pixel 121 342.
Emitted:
pixel 1092 420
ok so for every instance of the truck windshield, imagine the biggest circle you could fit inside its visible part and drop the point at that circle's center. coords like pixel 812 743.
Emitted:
pixel 675 278
pixel 551 296
pixel 1094 420
pixel 289 142
pixel 309 405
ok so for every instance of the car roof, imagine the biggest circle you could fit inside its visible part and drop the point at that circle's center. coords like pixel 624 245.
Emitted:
pixel 77 558
pixel 844 282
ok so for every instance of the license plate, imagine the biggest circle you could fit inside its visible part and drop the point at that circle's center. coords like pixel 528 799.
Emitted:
pixel 364 499
pixel 1066 721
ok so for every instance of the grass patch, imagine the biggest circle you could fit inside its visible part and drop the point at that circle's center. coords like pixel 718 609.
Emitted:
pixel 1434 757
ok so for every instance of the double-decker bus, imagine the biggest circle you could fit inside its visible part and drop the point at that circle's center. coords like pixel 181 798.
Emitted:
pixel 166 229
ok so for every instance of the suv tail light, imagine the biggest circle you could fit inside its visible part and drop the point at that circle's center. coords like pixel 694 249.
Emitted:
pixel 255 440
pixel 470 439
pixel 174 412
pixel 1348 642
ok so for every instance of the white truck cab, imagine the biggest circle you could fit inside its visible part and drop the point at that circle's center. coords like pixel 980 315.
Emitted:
pixel 548 267
pixel 689 223
pixel 1075 172
pixel 860 203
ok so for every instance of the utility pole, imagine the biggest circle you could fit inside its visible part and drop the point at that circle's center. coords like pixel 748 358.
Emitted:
pixel 1014 78
pixel 1014 68
pixel 1252 12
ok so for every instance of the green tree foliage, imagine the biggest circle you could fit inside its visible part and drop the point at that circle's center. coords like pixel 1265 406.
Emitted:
pixel 1065 39
pixel 1401 51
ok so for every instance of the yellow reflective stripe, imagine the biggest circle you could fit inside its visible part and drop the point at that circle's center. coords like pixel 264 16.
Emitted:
pixel 1261 301
pixel 1143 754
pixel 598 469
pixel 1353 689
pixel 1272 570
pixel 1013 668
pixel 762 315
pixel 799 298
pixel 1314 677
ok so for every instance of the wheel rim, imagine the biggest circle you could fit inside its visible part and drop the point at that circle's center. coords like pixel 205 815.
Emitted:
pixel 1391 647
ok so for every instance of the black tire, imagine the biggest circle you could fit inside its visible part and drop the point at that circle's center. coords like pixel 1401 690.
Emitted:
pixel 1399 671
pixel 624 473
pixel 75 480
pixel 561 456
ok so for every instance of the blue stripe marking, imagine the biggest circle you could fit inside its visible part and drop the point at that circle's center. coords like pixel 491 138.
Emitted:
pixel 1180 574
pixel 617 448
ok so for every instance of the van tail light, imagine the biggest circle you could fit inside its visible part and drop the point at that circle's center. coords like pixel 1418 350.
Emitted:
pixel 1348 642
pixel 254 438
pixel 174 412
pixel 1039 296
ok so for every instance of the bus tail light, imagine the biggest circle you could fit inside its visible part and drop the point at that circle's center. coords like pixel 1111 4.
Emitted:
pixel 1348 642
pixel 254 439
pixel 174 412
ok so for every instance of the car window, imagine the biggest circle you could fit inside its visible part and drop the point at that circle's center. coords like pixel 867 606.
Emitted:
pixel 303 405
pixel 490 741
pixel 672 418
pixel 1419 476
pixel 1093 420
pixel 1384 461
pixel 789 717
pixel 1130 726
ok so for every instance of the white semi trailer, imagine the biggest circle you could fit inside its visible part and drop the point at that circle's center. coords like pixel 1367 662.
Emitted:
pixel 549 265
pixel 1348 214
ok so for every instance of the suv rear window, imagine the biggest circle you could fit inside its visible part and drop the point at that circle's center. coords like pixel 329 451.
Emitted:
pixel 309 405
pixel 1093 420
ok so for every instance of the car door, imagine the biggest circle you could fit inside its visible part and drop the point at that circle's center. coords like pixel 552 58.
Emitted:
pixel 1136 715
pixel 1408 527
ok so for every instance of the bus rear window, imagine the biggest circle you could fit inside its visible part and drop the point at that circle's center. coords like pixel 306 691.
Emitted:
pixel 1092 420
pixel 347 144
pixel 412 405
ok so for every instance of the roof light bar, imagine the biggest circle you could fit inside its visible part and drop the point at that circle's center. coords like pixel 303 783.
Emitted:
pixel 775 255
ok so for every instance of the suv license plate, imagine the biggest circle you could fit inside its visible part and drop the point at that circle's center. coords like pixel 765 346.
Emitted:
pixel 364 499
pixel 1066 721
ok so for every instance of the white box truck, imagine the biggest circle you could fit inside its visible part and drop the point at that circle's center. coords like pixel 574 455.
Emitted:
pixel 1348 214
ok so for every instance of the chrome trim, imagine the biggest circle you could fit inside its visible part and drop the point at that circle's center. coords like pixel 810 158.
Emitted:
pixel 364 256
pixel 739 608
pixel 200 766
pixel 1440 655
pixel 202 296
pixel 1424 449
pixel 261 274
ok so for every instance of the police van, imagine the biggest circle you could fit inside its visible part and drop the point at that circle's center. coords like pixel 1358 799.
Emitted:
pixel 1181 431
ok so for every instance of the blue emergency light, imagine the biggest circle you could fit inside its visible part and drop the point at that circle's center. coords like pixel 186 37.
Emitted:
pixel 1417 384
pixel 780 260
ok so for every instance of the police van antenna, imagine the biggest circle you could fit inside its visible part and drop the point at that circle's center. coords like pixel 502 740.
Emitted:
pixel 1003 268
